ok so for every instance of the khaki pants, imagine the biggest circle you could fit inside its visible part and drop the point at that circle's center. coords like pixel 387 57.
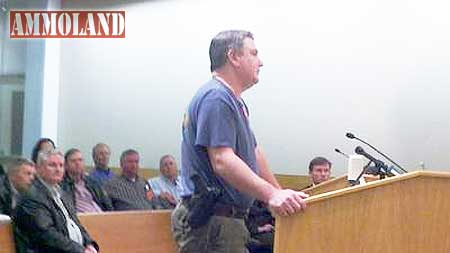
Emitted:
pixel 219 235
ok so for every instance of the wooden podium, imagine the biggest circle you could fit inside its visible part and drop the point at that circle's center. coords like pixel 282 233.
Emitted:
pixel 406 213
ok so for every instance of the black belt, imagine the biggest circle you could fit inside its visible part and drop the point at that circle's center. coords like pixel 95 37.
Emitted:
pixel 230 211
pixel 223 210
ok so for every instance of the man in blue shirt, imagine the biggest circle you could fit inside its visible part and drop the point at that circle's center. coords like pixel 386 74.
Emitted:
pixel 101 172
pixel 220 148
pixel 167 186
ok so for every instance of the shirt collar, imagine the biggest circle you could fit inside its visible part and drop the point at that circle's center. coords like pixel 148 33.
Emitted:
pixel 103 171
pixel 134 180
pixel 54 190
pixel 175 182
pixel 224 83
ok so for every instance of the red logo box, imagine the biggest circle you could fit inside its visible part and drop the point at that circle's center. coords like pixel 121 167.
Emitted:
pixel 66 24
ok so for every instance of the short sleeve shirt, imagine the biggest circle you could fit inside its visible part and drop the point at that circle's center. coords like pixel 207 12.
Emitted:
pixel 216 118
pixel 162 184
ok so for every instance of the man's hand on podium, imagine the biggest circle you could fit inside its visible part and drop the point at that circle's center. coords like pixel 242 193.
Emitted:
pixel 286 202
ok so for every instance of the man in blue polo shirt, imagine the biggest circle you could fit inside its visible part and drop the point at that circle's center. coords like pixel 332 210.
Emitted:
pixel 220 149
pixel 101 172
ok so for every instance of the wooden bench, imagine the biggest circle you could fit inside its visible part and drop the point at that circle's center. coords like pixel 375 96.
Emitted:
pixel 132 231
pixel 118 232
pixel 6 238
pixel 135 231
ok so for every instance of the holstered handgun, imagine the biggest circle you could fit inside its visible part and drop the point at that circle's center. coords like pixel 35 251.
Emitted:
pixel 202 202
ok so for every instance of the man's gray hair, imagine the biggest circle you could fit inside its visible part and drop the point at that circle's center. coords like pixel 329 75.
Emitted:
pixel 99 145
pixel 14 164
pixel 45 154
pixel 127 153
pixel 164 157
pixel 222 43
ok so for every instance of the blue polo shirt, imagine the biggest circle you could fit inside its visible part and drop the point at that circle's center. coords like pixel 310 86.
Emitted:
pixel 101 175
pixel 216 118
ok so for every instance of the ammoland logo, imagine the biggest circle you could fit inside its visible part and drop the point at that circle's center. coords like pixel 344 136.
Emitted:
pixel 66 24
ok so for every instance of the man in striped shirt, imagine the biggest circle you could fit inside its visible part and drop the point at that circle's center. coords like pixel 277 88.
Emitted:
pixel 128 191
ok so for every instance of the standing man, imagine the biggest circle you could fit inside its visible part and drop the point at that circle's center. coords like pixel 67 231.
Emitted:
pixel 167 186
pixel 87 195
pixel 101 154
pixel 46 217
pixel 220 151
pixel 17 180
pixel 319 170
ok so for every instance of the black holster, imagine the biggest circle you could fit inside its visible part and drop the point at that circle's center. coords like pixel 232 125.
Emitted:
pixel 201 204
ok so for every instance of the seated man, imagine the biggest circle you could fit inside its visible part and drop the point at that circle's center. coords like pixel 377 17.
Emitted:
pixel 319 170
pixel 167 186
pixel 17 180
pixel 87 195
pixel 101 172
pixel 128 191
pixel 45 217
pixel 260 224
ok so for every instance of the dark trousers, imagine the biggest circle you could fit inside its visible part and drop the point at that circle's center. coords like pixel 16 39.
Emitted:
pixel 219 235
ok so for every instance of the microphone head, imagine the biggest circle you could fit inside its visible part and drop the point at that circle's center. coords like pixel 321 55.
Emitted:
pixel 359 150
pixel 337 150
pixel 350 135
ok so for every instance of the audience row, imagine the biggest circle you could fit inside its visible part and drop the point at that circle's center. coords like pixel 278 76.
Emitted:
pixel 44 195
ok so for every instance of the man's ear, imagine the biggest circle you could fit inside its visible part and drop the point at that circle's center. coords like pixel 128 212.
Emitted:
pixel 233 57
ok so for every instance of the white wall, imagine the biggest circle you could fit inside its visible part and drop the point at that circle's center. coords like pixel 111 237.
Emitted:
pixel 378 68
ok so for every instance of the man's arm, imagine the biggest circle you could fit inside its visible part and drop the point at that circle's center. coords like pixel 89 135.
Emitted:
pixel 264 170
pixel 237 173
pixel 234 171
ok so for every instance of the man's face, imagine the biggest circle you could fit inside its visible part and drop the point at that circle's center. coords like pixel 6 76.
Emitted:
pixel 75 164
pixel 52 170
pixel 130 165
pixel 24 177
pixel 169 168
pixel 102 155
pixel 249 63
pixel 320 173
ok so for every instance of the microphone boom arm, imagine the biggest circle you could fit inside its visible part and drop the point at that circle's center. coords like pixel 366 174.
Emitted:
pixel 379 152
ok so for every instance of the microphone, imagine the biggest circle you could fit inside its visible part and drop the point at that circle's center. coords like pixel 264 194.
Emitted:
pixel 340 152
pixel 352 136
pixel 390 171
pixel 378 163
